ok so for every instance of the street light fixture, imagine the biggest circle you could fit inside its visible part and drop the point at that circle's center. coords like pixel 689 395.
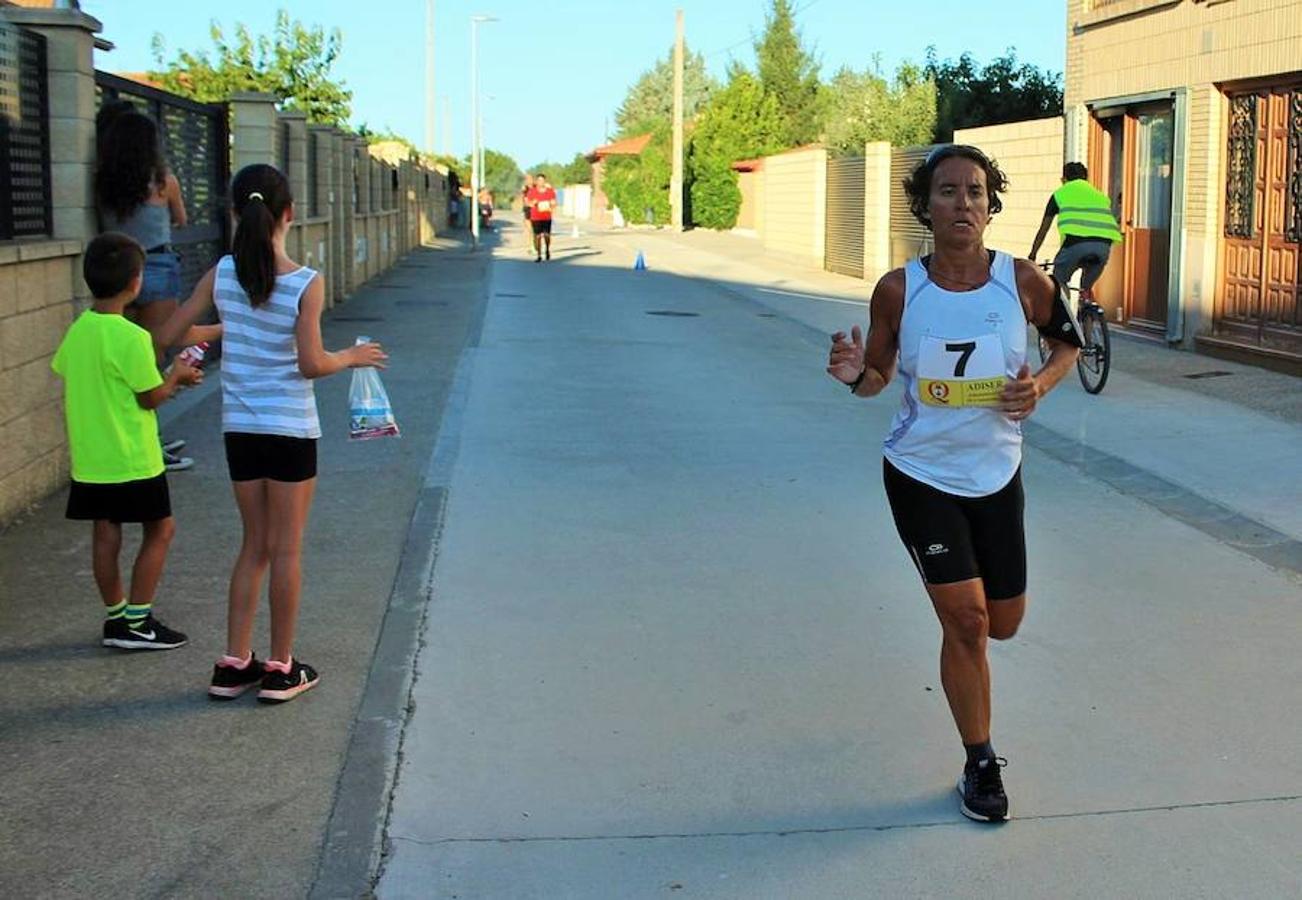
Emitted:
pixel 475 174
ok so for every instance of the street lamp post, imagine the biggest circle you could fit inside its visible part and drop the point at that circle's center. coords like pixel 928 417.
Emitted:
pixel 476 175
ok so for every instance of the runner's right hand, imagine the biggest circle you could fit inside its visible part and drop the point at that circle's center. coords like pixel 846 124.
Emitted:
pixel 845 362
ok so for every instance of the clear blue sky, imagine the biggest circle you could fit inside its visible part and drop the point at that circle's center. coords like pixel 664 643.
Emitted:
pixel 556 70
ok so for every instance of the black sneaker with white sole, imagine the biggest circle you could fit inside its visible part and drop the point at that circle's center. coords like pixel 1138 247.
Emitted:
pixel 280 687
pixel 150 634
pixel 229 682
pixel 982 789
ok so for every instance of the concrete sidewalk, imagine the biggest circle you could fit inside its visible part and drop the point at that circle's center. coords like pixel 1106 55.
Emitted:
pixel 118 778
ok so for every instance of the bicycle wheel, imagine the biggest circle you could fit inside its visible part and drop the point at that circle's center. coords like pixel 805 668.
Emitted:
pixel 1095 357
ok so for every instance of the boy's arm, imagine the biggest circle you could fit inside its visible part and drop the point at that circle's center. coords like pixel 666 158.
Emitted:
pixel 178 375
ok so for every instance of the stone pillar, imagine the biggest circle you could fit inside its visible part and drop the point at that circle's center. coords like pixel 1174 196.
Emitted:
pixel 253 130
pixel 69 65
pixel 320 182
pixel 349 178
pixel 294 156
pixel 362 168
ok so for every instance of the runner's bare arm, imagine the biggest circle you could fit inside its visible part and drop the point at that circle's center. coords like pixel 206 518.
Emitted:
pixel 1038 293
pixel 876 357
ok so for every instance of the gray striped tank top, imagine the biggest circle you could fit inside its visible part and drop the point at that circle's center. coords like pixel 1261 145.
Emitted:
pixel 262 390
pixel 150 224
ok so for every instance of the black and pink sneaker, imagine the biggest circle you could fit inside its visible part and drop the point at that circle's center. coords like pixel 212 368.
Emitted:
pixel 232 677
pixel 282 682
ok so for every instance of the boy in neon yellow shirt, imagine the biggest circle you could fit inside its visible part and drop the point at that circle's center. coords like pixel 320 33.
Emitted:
pixel 112 387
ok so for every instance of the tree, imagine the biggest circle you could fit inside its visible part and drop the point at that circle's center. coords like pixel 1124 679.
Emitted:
pixel 501 175
pixel 1001 91
pixel 740 121
pixel 577 171
pixel 293 63
pixel 863 107
pixel 790 74
pixel 651 98
pixel 639 183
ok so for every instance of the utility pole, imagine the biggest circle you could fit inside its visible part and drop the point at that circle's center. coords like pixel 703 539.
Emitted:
pixel 447 125
pixel 430 97
pixel 676 179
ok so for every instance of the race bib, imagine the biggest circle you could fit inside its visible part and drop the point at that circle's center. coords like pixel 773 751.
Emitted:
pixel 544 205
pixel 961 372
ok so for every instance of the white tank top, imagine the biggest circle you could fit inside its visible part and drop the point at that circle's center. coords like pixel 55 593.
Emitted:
pixel 956 350
pixel 262 390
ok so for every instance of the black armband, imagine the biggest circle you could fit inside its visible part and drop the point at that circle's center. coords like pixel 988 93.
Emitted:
pixel 1062 324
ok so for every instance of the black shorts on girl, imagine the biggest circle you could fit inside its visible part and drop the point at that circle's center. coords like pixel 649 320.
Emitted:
pixel 147 500
pixel 273 456
pixel 953 538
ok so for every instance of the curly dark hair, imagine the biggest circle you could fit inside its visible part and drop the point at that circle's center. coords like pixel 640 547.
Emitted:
pixel 917 187
pixel 131 163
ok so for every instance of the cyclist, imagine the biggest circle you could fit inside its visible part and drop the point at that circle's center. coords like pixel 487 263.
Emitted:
pixel 954 325
pixel 1086 227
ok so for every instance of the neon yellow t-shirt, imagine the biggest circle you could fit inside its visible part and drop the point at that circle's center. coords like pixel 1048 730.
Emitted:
pixel 105 361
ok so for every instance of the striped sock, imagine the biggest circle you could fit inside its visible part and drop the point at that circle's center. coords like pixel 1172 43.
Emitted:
pixel 113 613
pixel 136 615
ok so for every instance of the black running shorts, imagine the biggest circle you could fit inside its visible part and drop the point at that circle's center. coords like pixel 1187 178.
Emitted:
pixel 273 456
pixel 954 538
pixel 542 226
pixel 146 500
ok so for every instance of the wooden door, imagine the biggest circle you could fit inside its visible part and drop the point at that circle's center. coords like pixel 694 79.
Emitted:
pixel 1259 303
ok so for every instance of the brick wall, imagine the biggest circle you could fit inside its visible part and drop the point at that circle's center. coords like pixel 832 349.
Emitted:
pixel 36 307
pixel 795 187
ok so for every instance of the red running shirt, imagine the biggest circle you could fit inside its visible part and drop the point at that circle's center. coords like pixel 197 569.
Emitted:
pixel 544 202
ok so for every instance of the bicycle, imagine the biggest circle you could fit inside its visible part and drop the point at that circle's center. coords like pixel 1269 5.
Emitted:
pixel 1095 359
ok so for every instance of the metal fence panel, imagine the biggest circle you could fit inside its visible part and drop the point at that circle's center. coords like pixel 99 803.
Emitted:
pixel 909 237
pixel 25 200
pixel 196 144
pixel 844 229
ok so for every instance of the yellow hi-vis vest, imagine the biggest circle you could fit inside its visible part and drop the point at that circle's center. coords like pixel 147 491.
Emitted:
pixel 1085 212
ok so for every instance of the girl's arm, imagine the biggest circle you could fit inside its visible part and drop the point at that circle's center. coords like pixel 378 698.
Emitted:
pixel 175 205
pixel 314 361
pixel 176 330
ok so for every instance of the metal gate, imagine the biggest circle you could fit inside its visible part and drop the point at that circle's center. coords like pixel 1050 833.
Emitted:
pixel 845 216
pixel 196 144
pixel 909 237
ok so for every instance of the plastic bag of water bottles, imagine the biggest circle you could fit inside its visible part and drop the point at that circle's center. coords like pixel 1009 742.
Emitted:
pixel 369 412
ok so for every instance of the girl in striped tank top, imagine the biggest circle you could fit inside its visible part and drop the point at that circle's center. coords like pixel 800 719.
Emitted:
pixel 270 307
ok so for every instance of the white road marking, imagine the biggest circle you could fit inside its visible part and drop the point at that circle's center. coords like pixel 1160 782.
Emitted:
pixel 813 297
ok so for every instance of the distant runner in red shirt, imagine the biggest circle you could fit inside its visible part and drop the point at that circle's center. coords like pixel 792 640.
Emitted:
pixel 542 202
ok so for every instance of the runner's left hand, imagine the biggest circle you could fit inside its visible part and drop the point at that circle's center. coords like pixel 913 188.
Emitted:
pixel 1019 396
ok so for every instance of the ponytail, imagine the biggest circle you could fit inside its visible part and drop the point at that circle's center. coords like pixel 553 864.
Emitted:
pixel 261 196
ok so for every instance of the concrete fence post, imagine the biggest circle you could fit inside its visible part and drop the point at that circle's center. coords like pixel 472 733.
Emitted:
pixel 253 130
pixel 70 70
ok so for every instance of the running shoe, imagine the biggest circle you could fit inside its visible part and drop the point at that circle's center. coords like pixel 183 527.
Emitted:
pixel 982 790
pixel 150 634
pixel 175 463
pixel 549 254
pixel 229 682
pixel 173 446
pixel 281 687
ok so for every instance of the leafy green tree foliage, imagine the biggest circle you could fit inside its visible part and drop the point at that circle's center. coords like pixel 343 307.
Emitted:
pixel 639 183
pixel 501 175
pixel 576 171
pixel 740 121
pixel 1003 90
pixel 789 73
pixel 651 98
pixel 293 63
pixel 863 107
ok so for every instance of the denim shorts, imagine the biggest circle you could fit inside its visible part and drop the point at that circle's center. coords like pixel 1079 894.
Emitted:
pixel 162 278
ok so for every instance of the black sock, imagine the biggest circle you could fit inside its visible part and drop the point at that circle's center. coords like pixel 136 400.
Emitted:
pixel 978 752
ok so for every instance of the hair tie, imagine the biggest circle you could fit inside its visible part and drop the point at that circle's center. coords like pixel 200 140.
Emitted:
pixel 256 195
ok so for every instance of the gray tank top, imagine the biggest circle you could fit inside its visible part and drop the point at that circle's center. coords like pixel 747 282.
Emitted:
pixel 149 224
